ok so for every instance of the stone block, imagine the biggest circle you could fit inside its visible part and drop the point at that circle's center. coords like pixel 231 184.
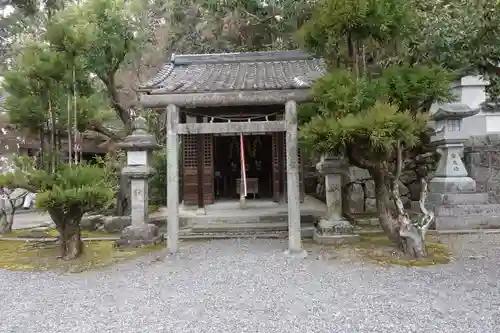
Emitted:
pixel 367 221
pixel 414 189
pixel 369 189
pixel 356 199
pixel 116 223
pixel 136 236
pixel 334 239
pixel 452 185
pixel 92 222
pixel 370 205
pixel 356 174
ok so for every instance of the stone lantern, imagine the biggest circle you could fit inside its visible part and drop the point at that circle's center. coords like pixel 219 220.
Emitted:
pixel 139 147
pixel 333 228
pixel 451 175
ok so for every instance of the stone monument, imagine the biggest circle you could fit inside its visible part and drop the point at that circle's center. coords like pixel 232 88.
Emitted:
pixel 333 228
pixel 139 147
pixel 452 193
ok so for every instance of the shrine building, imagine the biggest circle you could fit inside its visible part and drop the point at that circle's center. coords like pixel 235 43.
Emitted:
pixel 233 119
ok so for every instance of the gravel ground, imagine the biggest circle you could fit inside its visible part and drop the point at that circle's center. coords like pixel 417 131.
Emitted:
pixel 248 286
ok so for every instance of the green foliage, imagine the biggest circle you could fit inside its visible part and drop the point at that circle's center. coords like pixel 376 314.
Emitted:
pixel 380 100
pixel 39 86
pixel 75 190
pixel 374 132
pixel 100 31
pixel 415 88
pixel 111 164
pixel 158 183
pixel 338 27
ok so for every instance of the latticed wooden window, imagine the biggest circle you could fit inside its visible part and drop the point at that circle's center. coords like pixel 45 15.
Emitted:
pixel 208 153
pixel 190 151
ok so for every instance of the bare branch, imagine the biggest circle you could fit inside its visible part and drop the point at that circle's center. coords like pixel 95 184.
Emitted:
pixel 395 187
pixel 428 218
pixel 399 160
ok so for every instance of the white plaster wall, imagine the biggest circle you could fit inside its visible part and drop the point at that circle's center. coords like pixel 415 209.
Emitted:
pixel 471 90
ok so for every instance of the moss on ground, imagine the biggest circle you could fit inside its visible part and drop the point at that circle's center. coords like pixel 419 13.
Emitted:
pixel 51 233
pixel 39 256
pixel 379 249
pixel 383 251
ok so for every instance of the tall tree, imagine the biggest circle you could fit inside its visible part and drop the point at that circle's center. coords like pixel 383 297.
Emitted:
pixel 371 106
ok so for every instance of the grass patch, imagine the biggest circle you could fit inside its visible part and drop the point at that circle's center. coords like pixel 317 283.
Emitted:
pixel 38 256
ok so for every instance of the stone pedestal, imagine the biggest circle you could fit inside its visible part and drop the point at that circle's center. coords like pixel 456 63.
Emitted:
pixel 452 193
pixel 333 228
pixel 139 147
pixel 451 175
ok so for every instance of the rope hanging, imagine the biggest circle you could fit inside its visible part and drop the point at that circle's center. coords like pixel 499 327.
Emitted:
pixel 243 167
pixel 262 117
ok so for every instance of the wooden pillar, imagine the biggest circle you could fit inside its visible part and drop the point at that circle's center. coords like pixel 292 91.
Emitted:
pixel 200 148
pixel 293 190
pixel 172 179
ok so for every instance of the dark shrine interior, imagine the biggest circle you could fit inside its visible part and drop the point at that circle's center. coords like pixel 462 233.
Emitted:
pixel 258 160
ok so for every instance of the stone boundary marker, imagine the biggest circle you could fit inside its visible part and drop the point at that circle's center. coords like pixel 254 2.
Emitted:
pixel 441 232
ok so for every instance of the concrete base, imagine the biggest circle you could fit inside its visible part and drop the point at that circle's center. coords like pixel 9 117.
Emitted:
pixel 452 185
pixel 467 216
pixel 334 239
pixel 439 199
pixel 296 254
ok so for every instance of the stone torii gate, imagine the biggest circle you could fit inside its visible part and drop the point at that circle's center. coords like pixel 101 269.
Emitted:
pixel 234 80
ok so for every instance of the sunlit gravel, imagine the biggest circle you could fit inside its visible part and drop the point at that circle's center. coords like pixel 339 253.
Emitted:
pixel 249 286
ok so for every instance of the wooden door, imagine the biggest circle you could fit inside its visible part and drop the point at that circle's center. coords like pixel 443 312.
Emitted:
pixel 208 169
pixel 190 169
pixel 276 181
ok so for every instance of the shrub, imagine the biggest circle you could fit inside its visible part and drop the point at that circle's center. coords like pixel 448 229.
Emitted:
pixel 68 194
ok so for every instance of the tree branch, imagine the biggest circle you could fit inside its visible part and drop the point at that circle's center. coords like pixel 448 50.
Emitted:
pixel 358 160
pixel 100 128
pixel 122 113
pixel 395 187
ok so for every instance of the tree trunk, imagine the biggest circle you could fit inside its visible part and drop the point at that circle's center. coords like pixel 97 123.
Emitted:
pixel 382 194
pixel 397 225
pixel 6 221
pixel 71 242
pixel 68 226
pixel 413 239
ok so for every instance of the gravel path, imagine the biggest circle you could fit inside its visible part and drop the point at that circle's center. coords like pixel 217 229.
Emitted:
pixel 248 286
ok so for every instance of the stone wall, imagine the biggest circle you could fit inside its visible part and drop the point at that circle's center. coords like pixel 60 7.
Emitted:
pixel 359 188
pixel 482 160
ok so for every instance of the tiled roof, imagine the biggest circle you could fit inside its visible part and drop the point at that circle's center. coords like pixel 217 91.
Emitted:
pixel 225 72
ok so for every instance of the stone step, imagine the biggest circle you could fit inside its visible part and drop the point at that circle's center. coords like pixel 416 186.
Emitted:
pixel 307 232
pixel 242 219
pixel 241 227
pixel 270 235
pixel 468 210
pixel 456 217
